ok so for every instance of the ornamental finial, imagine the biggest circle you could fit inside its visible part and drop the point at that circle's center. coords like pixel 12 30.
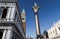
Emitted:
pixel 35 4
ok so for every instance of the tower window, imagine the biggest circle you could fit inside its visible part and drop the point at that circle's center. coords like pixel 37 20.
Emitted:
pixel 4 13
pixel 22 18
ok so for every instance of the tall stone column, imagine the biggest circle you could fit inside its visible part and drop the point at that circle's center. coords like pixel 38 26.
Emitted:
pixel 35 9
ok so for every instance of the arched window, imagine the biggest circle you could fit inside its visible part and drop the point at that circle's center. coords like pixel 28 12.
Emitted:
pixel 1 10
pixel 4 12
pixel 59 28
pixel 1 34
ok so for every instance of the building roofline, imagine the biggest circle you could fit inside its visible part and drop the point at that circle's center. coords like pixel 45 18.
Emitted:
pixel 8 1
pixel 53 25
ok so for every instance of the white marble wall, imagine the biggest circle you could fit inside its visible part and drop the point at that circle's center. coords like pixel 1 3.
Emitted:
pixel 54 31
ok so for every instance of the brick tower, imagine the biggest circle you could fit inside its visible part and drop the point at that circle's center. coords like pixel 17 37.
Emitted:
pixel 23 16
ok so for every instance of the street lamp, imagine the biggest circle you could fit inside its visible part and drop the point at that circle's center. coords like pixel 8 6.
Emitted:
pixel 35 9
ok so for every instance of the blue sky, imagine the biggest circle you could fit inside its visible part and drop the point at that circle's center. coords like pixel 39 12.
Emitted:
pixel 49 13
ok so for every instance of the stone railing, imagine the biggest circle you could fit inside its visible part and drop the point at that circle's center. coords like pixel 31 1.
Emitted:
pixel 16 22
pixel 6 20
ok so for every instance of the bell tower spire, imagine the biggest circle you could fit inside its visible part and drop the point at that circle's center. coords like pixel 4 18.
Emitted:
pixel 23 15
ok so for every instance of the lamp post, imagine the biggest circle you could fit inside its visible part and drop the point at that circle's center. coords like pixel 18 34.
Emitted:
pixel 35 9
